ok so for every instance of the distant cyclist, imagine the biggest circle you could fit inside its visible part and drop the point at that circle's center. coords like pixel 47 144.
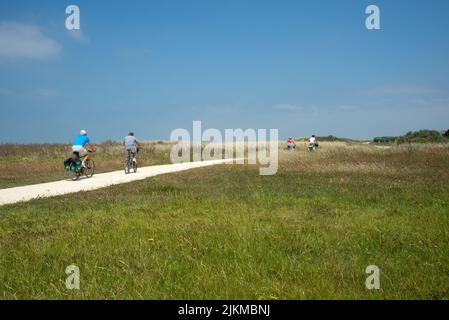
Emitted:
pixel 131 146
pixel 291 144
pixel 79 146
pixel 312 140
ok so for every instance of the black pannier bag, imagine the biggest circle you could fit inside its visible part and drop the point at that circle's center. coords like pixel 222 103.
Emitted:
pixel 69 161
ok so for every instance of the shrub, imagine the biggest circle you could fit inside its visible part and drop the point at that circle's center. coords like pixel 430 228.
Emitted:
pixel 421 136
pixel 446 134
pixel 330 138
pixel 385 139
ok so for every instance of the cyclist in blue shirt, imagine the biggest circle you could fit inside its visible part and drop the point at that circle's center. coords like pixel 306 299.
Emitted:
pixel 79 146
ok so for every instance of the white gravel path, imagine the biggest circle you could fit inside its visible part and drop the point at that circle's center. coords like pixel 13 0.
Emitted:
pixel 50 189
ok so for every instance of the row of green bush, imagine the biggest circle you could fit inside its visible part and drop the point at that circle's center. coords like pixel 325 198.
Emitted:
pixel 420 136
pixel 446 134
pixel 330 138
pixel 386 139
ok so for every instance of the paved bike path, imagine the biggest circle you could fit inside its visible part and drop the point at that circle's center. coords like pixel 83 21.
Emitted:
pixel 49 189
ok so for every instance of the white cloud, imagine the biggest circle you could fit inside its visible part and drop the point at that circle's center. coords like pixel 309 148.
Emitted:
pixel 400 91
pixel 134 53
pixel 48 93
pixel 19 40
pixel 347 107
pixel 287 106
pixel 78 35
pixel 6 92
pixel 38 92
pixel 220 110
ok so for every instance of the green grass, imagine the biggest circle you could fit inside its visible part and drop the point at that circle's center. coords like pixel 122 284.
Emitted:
pixel 37 163
pixel 226 232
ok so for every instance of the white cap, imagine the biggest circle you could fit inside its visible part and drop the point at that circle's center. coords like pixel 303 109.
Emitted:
pixel 83 132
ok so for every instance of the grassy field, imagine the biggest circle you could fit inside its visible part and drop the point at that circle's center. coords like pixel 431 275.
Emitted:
pixel 29 164
pixel 226 232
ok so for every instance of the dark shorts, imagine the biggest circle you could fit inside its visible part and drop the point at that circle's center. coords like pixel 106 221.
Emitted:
pixel 133 150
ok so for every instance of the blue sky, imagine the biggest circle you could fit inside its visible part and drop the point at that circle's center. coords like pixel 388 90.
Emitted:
pixel 304 67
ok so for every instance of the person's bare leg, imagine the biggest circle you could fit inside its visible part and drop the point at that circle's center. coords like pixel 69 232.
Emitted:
pixel 83 163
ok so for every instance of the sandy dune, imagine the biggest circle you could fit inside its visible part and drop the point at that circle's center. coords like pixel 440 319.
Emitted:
pixel 25 193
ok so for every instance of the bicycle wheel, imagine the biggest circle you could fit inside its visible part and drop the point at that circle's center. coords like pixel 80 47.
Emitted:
pixel 76 173
pixel 127 165
pixel 89 170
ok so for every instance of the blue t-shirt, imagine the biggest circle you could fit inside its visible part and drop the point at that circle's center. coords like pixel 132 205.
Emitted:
pixel 80 140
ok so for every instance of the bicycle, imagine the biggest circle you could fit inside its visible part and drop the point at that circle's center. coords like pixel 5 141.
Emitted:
pixel 76 167
pixel 312 146
pixel 130 162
